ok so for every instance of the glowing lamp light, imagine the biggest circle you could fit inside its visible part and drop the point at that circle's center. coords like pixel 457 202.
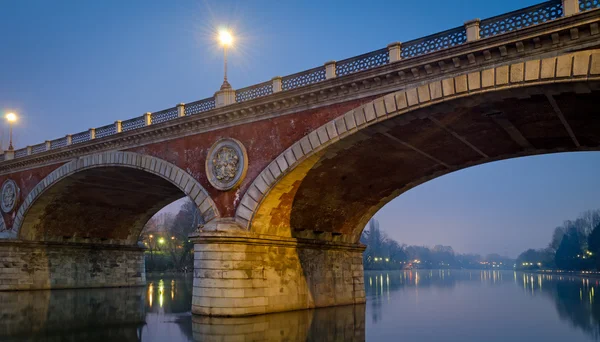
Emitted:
pixel 161 241
pixel 225 38
pixel 11 117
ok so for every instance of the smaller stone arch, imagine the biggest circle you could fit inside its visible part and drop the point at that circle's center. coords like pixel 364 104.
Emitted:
pixel 169 172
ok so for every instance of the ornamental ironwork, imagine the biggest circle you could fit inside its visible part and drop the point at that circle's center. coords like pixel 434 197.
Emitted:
pixel 134 123
pixel 200 106
pixel 362 62
pixel 253 92
pixel 164 115
pixel 80 137
pixel 10 195
pixel 105 131
pixel 226 164
pixel 522 18
pixel 58 143
pixel 585 5
pixel 434 42
pixel 303 78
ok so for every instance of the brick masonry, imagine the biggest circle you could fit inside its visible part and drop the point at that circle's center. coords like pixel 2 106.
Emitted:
pixel 238 274
pixel 29 265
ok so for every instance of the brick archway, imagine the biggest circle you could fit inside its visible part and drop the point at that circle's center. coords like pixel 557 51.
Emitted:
pixel 179 180
pixel 273 192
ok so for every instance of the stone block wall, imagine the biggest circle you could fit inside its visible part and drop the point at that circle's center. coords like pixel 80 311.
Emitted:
pixel 238 274
pixel 35 266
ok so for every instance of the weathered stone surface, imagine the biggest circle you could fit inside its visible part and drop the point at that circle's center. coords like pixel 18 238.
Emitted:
pixel 239 273
pixel 35 266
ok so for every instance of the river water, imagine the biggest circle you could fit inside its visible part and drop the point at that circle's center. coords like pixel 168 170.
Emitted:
pixel 424 305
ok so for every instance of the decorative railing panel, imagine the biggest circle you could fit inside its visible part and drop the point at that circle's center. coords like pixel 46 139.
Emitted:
pixel 434 42
pixel 362 62
pixel 200 106
pixel 58 143
pixel 253 92
pixel 585 5
pixel 164 115
pixel 522 18
pixel 303 78
pixel 134 123
pixel 80 137
pixel 21 152
pixel 38 148
pixel 105 131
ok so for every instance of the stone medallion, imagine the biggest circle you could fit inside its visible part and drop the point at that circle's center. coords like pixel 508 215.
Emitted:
pixel 226 164
pixel 10 195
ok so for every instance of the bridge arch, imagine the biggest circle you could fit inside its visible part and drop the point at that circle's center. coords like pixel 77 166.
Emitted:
pixel 331 182
pixel 105 198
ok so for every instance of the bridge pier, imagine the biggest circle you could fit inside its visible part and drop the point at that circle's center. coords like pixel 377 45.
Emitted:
pixel 26 265
pixel 240 273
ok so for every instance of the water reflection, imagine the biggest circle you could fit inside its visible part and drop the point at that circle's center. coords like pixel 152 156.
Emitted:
pixel 572 297
pixel 159 312
pixel 424 305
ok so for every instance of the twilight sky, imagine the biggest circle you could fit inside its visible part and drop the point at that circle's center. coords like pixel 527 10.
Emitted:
pixel 66 66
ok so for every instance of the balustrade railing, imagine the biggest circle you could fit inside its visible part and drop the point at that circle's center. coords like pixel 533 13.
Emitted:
pixel 585 5
pixel 362 62
pixel 134 123
pixel 105 131
pixel 58 143
pixel 508 22
pixel 164 115
pixel 533 15
pixel 200 106
pixel 38 148
pixel 434 42
pixel 303 78
pixel 253 92
pixel 80 137
pixel 21 152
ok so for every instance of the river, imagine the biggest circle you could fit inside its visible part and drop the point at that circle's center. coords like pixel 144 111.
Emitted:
pixel 424 305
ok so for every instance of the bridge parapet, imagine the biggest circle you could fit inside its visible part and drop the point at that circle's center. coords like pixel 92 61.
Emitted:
pixel 471 31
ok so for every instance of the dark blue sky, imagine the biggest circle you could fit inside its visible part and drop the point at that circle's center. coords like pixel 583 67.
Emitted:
pixel 66 66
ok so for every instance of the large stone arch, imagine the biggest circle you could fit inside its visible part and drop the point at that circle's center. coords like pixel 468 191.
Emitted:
pixel 77 177
pixel 269 205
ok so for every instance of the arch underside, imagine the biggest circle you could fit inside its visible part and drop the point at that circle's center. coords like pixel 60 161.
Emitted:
pixel 334 192
pixel 107 205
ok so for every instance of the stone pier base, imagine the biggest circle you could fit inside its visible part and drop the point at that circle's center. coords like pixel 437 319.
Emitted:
pixel 36 266
pixel 237 273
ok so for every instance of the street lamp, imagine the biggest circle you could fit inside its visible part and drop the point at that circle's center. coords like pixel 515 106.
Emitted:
pixel 226 39
pixel 10 117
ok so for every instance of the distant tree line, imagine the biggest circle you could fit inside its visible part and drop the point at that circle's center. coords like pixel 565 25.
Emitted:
pixel 165 237
pixel 574 246
pixel 385 253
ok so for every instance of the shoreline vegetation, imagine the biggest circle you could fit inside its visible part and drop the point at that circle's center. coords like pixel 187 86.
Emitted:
pixel 574 247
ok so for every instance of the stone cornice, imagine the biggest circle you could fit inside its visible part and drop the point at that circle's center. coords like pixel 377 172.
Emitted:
pixel 569 33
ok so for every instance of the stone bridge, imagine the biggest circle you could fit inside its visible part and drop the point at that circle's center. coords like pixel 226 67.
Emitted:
pixel 286 173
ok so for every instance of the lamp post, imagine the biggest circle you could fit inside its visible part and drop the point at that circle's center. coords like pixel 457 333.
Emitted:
pixel 10 117
pixel 226 39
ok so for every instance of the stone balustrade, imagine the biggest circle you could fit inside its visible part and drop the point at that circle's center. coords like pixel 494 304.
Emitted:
pixel 471 31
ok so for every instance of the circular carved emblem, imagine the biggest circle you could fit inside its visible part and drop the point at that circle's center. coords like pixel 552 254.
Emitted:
pixel 10 194
pixel 226 164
